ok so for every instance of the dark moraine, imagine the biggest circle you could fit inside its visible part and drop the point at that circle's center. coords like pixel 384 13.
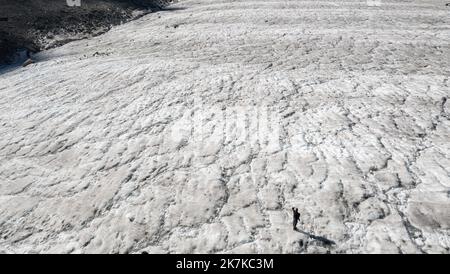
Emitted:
pixel 30 24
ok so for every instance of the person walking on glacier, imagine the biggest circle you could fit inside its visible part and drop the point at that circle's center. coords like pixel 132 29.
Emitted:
pixel 295 217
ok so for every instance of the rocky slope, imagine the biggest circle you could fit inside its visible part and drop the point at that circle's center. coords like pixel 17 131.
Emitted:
pixel 197 130
pixel 43 24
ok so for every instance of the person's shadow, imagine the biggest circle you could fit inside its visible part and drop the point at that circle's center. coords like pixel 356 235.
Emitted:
pixel 324 240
